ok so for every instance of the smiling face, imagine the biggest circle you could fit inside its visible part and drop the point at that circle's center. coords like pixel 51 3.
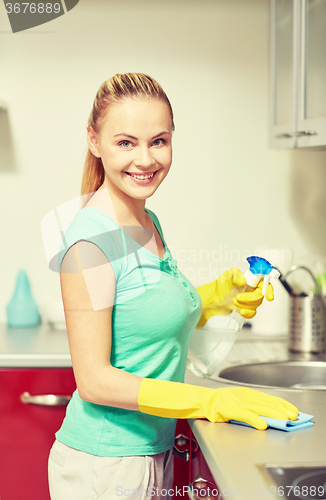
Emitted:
pixel 134 143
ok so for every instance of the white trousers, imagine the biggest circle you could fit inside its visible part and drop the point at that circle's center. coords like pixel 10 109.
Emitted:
pixel 76 475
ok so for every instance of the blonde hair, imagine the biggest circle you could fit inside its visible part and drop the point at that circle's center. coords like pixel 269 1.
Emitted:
pixel 113 90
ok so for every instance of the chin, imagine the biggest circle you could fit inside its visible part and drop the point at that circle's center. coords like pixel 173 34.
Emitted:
pixel 141 197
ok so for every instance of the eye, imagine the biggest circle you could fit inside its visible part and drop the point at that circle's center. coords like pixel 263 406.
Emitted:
pixel 125 144
pixel 158 142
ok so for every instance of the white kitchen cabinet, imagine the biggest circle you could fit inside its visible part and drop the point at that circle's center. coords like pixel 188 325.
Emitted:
pixel 298 73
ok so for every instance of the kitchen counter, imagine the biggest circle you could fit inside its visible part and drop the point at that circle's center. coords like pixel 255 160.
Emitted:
pixel 234 452
pixel 38 347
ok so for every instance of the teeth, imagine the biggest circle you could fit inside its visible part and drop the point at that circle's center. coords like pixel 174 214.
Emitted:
pixel 142 176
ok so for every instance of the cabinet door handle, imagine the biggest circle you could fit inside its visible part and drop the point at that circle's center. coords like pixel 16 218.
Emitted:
pixel 301 133
pixel 283 136
pixel 180 441
pixel 44 399
pixel 201 488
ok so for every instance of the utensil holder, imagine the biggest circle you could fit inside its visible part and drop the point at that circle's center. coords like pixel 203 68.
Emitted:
pixel 307 320
pixel 307 324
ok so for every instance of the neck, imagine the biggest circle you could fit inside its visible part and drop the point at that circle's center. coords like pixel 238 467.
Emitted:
pixel 126 208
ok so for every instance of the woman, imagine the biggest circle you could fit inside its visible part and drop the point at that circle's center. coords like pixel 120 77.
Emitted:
pixel 130 313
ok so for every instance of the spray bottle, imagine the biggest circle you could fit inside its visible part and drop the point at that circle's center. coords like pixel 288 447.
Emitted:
pixel 22 310
pixel 211 343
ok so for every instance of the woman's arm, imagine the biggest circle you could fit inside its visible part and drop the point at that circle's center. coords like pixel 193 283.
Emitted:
pixel 88 296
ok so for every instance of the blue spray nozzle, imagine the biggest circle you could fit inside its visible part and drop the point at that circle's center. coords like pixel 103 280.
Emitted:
pixel 259 266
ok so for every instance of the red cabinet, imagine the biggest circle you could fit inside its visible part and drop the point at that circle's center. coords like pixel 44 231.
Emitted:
pixel 32 407
pixel 191 469
pixel 182 451
pixel 27 429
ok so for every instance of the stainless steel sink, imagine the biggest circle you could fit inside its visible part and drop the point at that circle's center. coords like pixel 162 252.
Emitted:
pixel 309 375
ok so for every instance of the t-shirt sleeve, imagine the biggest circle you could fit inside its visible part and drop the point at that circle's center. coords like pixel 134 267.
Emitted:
pixel 107 238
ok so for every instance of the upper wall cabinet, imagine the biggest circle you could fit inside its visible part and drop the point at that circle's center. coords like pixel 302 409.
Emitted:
pixel 298 73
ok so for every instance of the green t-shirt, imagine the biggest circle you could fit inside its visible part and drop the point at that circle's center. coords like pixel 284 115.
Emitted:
pixel 155 312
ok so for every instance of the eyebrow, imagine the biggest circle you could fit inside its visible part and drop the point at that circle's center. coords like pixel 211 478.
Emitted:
pixel 136 139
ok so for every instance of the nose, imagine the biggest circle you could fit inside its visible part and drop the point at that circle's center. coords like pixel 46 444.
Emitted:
pixel 144 158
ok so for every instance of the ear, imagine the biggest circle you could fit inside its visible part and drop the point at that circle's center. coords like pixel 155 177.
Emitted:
pixel 92 141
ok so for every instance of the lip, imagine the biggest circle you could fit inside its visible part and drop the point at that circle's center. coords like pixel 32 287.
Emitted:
pixel 141 181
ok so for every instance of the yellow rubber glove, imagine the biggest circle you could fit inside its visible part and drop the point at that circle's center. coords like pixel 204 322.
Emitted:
pixel 176 400
pixel 248 302
pixel 213 296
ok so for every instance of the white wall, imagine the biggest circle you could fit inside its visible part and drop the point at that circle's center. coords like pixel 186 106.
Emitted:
pixel 227 189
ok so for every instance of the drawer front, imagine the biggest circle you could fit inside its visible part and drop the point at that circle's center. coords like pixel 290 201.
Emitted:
pixel 30 414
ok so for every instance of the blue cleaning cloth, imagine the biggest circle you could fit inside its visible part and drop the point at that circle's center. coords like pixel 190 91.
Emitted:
pixel 302 422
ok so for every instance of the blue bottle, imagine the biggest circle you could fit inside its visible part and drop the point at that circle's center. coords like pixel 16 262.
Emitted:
pixel 22 310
